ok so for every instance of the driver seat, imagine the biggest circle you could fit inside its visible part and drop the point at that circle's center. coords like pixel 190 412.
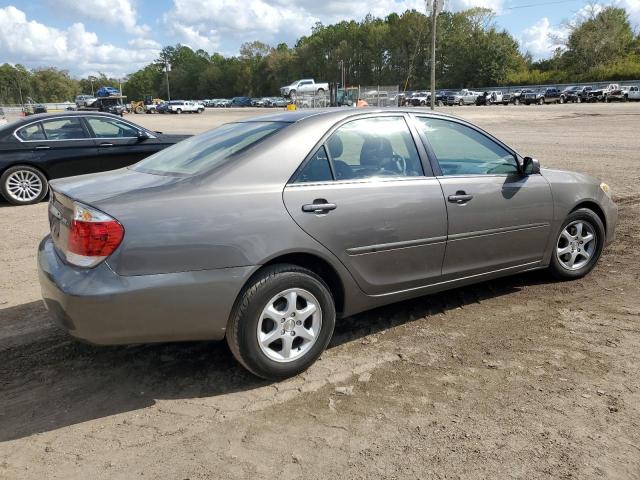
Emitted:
pixel 377 152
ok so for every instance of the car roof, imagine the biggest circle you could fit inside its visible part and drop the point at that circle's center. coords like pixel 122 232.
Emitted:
pixel 46 116
pixel 337 114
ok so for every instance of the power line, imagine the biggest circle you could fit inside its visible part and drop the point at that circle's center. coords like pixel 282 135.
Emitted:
pixel 558 2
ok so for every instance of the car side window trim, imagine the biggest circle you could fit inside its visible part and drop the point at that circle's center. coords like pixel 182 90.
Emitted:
pixel 434 158
pixel 83 120
pixel 426 166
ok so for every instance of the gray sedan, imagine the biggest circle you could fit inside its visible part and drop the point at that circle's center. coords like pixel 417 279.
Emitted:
pixel 265 231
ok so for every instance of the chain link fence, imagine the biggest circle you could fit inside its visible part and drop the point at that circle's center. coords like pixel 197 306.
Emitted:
pixel 374 95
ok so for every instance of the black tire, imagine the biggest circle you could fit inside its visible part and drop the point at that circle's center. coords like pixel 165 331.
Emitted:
pixel 178 111
pixel 4 188
pixel 200 110
pixel 541 101
pixel 461 103
pixel 516 101
pixel 243 324
pixel 587 216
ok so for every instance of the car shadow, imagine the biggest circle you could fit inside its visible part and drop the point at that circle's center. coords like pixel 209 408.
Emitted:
pixel 48 380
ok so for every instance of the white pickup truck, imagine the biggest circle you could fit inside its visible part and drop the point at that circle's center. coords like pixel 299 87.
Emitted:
pixel 632 92
pixel 463 97
pixel 306 85
pixel 182 106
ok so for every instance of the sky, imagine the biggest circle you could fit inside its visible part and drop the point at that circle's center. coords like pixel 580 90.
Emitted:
pixel 117 37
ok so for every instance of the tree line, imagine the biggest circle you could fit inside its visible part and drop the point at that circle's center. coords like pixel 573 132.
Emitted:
pixel 472 52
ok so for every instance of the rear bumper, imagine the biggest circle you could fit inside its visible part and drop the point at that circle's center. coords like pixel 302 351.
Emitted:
pixel 99 306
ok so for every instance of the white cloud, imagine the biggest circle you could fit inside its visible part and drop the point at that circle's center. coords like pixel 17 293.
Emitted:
pixel 541 39
pixel 35 44
pixel 113 12
pixel 215 24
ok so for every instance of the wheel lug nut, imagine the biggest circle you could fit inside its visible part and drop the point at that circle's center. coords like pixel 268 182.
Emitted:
pixel 283 332
pixel 298 322
pixel 293 334
pixel 293 314
pixel 282 321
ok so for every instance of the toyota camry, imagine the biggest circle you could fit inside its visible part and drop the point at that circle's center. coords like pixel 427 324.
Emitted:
pixel 265 231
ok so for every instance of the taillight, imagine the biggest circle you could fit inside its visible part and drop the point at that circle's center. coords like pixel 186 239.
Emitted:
pixel 93 236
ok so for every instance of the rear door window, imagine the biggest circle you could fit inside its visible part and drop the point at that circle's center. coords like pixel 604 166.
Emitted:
pixel 374 147
pixel 317 169
pixel 64 129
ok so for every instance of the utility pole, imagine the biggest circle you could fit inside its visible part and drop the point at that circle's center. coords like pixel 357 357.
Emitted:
pixel 167 68
pixel 434 15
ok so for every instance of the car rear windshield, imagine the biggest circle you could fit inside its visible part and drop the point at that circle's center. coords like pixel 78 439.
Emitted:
pixel 207 150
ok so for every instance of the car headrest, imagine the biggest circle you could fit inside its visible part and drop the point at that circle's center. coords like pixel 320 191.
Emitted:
pixel 335 146
pixel 376 151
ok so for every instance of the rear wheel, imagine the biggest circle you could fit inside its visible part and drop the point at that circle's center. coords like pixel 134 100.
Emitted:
pixel 139 109
pixel 282 322
pixel 578 245
pixel 23 185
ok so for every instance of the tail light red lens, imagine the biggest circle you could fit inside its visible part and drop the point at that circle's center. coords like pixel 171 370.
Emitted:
pixel 93 236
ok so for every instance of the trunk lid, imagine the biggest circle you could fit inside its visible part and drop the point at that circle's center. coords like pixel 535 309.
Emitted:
pixel 95 190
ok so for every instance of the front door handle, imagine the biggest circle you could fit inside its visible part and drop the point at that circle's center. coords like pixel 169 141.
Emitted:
pixel 460 197
pixel 319 206
pixel 43 147
pixel 106 144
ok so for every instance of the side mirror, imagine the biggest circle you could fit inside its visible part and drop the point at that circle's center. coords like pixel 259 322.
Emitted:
pixel 142 135
pixel 530 166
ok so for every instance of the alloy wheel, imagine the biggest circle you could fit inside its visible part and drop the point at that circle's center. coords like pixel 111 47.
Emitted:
pixel 24 186
pixel 289 325
pixel 576 245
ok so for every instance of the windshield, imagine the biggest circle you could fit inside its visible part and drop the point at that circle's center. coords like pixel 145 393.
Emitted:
pixel 207 150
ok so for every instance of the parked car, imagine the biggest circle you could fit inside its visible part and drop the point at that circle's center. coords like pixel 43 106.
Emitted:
pixel 420 99
pixel 114 104
pixel 517 97
pixel 43 147
pixel 463 97
pixel 307 85
pixel 212 238
pixel 222 103
pixel 495 97
pixel 633 93
pixel 184 106
pixel 611 92
pixel 570 94
pixel 585 94
pixel 84 100
pixel 544 95
pixel 240 102
pixel 107 92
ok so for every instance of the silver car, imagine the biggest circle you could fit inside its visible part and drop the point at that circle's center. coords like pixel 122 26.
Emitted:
pixel 265 231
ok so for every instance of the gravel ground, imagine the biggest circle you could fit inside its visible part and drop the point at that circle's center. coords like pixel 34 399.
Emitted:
pixel 522 377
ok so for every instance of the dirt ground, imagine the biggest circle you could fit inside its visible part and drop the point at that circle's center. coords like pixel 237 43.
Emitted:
pixel 523 377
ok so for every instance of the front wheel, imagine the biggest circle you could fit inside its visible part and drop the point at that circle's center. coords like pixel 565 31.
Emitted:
pixel 461 103
pixel 23 185
pixel 282 322
pixel 578 245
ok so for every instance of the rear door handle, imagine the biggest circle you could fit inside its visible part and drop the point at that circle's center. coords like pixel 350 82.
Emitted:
pixel 43 147
pixel 106 144
pixel 319 206
pixel 460 198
